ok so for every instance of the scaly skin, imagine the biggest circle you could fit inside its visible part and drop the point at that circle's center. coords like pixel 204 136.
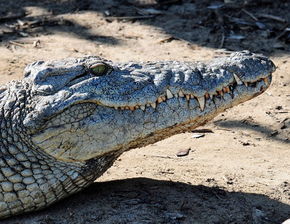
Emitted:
pixel 67 121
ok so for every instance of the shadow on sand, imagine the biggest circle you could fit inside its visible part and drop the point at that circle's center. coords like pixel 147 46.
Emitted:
pixel 143 200
pixel 281 135
pixel 234 27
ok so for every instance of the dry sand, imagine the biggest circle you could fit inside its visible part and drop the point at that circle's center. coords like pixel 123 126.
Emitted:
pixel 240 173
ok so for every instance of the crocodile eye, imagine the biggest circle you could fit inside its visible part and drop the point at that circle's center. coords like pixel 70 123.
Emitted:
pixel 100 69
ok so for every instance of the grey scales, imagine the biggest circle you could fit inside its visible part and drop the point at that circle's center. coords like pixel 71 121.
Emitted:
pixel 65 123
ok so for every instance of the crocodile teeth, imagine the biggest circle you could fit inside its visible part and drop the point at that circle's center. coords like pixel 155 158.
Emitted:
pixel 187 96
pixel 131 108
pixel 153 105
pixel 142 107
pixel 238 80
pixel 201 102
pixel 220 92
pixel 169 94
pixel 246 84
pixel 206 96
pixel 180 93
pixel 211 96
pixel 159 100
pixel 226 89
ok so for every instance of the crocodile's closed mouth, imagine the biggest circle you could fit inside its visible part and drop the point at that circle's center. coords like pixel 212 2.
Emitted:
pixel 67 121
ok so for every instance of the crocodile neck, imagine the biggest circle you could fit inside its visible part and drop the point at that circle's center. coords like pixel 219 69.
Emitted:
pixel 29 178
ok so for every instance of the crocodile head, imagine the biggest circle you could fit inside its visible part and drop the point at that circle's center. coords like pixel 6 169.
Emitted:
pixel 87 107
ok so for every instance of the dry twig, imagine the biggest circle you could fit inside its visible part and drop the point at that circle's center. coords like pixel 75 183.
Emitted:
pixel 16 43
pixel 276 18
pixel 250 14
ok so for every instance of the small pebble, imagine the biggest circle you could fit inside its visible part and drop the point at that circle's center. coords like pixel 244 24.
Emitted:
pixel 286 221
pixel 183 152
pixel 197 135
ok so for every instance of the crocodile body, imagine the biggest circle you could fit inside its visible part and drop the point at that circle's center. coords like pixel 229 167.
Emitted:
pixel 65 122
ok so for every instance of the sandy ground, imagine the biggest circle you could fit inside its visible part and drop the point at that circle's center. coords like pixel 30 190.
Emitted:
pixel 239 173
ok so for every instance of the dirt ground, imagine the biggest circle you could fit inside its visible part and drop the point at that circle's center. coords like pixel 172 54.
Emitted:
pixel 238 173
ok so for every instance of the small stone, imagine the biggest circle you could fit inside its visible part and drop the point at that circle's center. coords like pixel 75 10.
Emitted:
pixel 183 152
pixel 197 135
pixel 286 221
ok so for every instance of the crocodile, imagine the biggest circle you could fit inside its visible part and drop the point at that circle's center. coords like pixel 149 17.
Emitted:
pixel 66 122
